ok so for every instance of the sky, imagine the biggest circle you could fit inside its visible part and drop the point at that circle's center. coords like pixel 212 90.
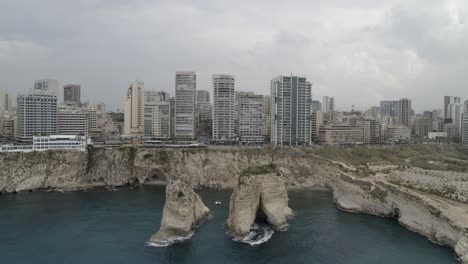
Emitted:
pixel 359 51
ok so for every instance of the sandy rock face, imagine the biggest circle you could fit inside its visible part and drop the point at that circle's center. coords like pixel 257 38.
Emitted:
pixel 182 210
pixel 254 193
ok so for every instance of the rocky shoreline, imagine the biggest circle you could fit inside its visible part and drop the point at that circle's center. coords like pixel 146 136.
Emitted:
pixel 430 202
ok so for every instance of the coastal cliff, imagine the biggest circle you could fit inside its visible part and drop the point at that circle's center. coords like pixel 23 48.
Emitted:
pixel 424 187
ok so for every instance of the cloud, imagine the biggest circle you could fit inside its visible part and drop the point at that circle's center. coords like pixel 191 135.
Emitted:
pixel 358 51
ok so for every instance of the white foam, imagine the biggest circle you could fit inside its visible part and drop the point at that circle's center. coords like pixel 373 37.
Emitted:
pixel 166 243
pixel 258 235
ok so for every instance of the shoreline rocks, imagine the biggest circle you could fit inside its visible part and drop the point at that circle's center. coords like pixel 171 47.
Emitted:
pixel 183 210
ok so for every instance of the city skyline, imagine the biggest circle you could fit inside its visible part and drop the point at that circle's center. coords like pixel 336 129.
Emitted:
pixel 393 49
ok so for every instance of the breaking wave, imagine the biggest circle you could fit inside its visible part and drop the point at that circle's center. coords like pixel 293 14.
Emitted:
pixel 259 234
pixel 166 243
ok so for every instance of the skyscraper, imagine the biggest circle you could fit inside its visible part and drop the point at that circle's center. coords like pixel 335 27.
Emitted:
pixel 134 109
pixel 464 135
pixel 316 106
pixel 405 112
pixel 157 120
pixel 185 103
pixel 36 115
pixel 250 118
pixel 290 112
pixel 455 111
pixel 204 114
pixel 223 108
pixel 328 104
pixel 46 86
pixel 5 102
pixel 447 101
pixel 72 94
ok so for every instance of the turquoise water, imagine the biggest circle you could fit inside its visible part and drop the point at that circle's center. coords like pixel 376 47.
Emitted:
pixel 102 226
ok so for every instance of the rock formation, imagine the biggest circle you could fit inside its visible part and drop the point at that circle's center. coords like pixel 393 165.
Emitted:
pixel 420 193
pixel 258 194
pixel 183 209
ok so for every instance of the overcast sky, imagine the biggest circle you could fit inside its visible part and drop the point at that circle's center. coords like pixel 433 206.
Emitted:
pixel 360 51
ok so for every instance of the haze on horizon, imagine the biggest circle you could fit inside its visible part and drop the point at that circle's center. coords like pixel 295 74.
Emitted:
pixel 359 51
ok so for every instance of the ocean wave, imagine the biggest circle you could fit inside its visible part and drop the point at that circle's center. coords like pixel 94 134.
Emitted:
pixel 258 235
pixel 168 242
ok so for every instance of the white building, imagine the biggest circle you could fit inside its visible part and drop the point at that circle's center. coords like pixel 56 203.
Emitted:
pixel 55 142
pixel 36 115
pixel 448 100
pixel 223 108
pixel 250 118
pixel 185 103
pixel 134 109
pixel 72 120
pixel 7 124
pixel 157 119
pixel 46 86
pixel 290 110
pixel 328 104
pixel 464 135
pixel 437 135
pixel 454 112
pixel 5 102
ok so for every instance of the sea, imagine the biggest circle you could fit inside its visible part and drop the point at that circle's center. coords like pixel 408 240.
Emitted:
pixel 113 226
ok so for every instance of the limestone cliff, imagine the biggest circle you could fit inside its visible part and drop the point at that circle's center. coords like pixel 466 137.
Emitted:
pixel 183 209
pixel 258 194
pixel 433 195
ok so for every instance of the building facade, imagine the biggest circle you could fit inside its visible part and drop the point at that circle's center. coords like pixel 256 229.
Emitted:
pixel 328 104
pixel 250 118
pixel 448 100
pixel 5 102
pixel 134 109
pixel 46 86
pixel 185 103
pixel 72 120
pixel 36 115
pixel 223 108
pixel 464 136
pixel 157 120
pixel 290 110
pixel 72 94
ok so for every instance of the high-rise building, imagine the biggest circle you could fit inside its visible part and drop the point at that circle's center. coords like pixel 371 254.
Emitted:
pixel 36 115
pixel 316 106
pixel 72 120
pixel 172 116
pixel 204 114
pixel 328 104
pixel 465 106
pixel 7 124
pixel 92 119
pixel 316 122
pixel 371 130
pixel 72 94
pixel 46 86
pixel 266 118
pixel 203 96
pixel 185 103
pixel 134 109
pixel 157 120
pixel 447 101
pixel 290 111
pixel 250 118
pixel 223 108
pixel 5 102
pixel 423 125
pixel 464 136
pixel 405 112
pixel 390 108
pixel 455 112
